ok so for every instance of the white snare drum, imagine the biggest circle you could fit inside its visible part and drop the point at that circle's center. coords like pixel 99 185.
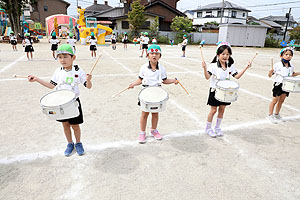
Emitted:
pixel 153 99
pixel 291 84
pixel 60 104
pixel 227 91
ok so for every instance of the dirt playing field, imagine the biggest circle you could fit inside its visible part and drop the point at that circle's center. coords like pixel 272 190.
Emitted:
pixel 254 160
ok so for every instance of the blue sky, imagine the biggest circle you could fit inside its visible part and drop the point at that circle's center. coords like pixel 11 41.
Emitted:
pixel 253 5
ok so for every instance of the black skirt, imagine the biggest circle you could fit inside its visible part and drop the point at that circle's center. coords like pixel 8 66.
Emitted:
pixel 13 42
pixel 29 48
pixel 145 46
pixel 212 101
pixel 93 48
pixel 277 90
pixel 54 47
pixel 113 41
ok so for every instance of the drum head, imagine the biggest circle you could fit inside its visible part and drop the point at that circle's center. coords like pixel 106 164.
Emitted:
pixel 57 98
pixel 227 84
pixel 153 94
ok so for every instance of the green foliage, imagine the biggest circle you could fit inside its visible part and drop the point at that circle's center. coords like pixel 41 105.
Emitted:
pixel 212 23
pixel 14 10
pixel 136 16
pixel 182 24
pixel 154 28
pixel 253 23
pixel 295 35
pixel 272 42
pixel 163 40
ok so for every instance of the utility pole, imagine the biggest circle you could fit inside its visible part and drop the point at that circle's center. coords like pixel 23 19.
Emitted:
pixel 77 3
pixel 288 15
pixel 222 11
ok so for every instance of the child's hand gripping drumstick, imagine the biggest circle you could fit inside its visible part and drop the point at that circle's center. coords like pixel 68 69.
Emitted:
pixel 95 64
pixel 250 62
pixel 182 86
pixel 113 96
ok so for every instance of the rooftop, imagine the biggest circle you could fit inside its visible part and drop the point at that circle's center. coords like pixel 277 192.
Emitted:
pixel 218 6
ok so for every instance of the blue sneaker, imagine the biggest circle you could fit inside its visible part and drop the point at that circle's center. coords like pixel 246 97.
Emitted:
pixel 79 148
pixel 69 149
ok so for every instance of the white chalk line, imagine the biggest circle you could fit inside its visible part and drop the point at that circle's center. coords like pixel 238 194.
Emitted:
pixel 121 64
pixel 11 64
pixel 123 144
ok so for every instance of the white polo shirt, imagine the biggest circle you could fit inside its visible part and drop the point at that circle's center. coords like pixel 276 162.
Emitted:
pixel 54 41
pixel 93 41
pixel 145 40
pixel 281 71
pixel 27 42
pixel 71 42
pixel 150 77
pixel 218 73
pixel 185 42
pixel 69 80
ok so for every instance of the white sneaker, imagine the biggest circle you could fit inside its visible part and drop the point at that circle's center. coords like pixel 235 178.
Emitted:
pixel 211 133
pixel 219 132
pixel 278 117
pixel 272 119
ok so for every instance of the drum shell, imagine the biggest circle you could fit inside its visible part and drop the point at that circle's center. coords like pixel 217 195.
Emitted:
pixel 153 107
pixel 226 94
pixel 290 85
pixel 61 112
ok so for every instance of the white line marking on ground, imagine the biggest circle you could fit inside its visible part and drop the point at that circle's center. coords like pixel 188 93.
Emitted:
pixel 122 144
pixel 11 64
pixel 126 68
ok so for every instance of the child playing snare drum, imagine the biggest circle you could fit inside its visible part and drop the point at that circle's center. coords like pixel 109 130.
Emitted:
pixel 220 69
pixel 151 74
pixel 68 77
pixel 281 69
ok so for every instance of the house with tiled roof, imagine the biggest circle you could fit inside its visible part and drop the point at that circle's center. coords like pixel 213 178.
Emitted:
pixel 232 14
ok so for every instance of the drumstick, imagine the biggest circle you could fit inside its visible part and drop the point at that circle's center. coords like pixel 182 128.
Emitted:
pixel 18 76
pixel 202 57
pixel 254 57
pixel 113 96
pixel 95 63
pixel 184 88
pixel 272 62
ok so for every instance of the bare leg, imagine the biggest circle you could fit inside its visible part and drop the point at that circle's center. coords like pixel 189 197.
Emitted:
pixel 213 110
pixel 279 104
pixel 31 55
pixel 154 120
pixel 53 53
pixel 143 120
pixel 77 132
pixel 221 111
pixel 272 105
pixel 27 53
pixel 67 131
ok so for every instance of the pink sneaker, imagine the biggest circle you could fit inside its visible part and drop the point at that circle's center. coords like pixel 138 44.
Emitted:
pixel 142 137
pixel 156 134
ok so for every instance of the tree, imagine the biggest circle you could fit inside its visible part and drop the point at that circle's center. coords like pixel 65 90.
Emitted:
pixel 183 24
pixel 295 34
pixel 136 16
pixel 154 27
pixel 14 10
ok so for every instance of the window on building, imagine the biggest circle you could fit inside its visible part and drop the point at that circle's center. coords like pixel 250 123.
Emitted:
pixel 219 13
pixel 208 14
pixel 146 25
pixel 199 14
pixel 233 14
pixel 125 25
pixel 45 8
pixel 244 14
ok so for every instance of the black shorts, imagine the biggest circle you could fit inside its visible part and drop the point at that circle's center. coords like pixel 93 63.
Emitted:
pixel 54 47
pixel 212 101
pixel 145 46
pixel 29 48
pixel 13 42
pixel 75 120
pixel 125 41
pixel 277 90
pixel 113 41
pixel 93 48
pixel 183 48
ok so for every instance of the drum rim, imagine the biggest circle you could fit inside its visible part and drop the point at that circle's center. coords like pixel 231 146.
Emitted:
pixel 167 98
pixel 291 79
pixel 62 105
pixel 219 87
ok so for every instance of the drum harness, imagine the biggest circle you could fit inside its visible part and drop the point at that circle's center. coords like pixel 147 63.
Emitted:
pixel 289 74
pixel 146 80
